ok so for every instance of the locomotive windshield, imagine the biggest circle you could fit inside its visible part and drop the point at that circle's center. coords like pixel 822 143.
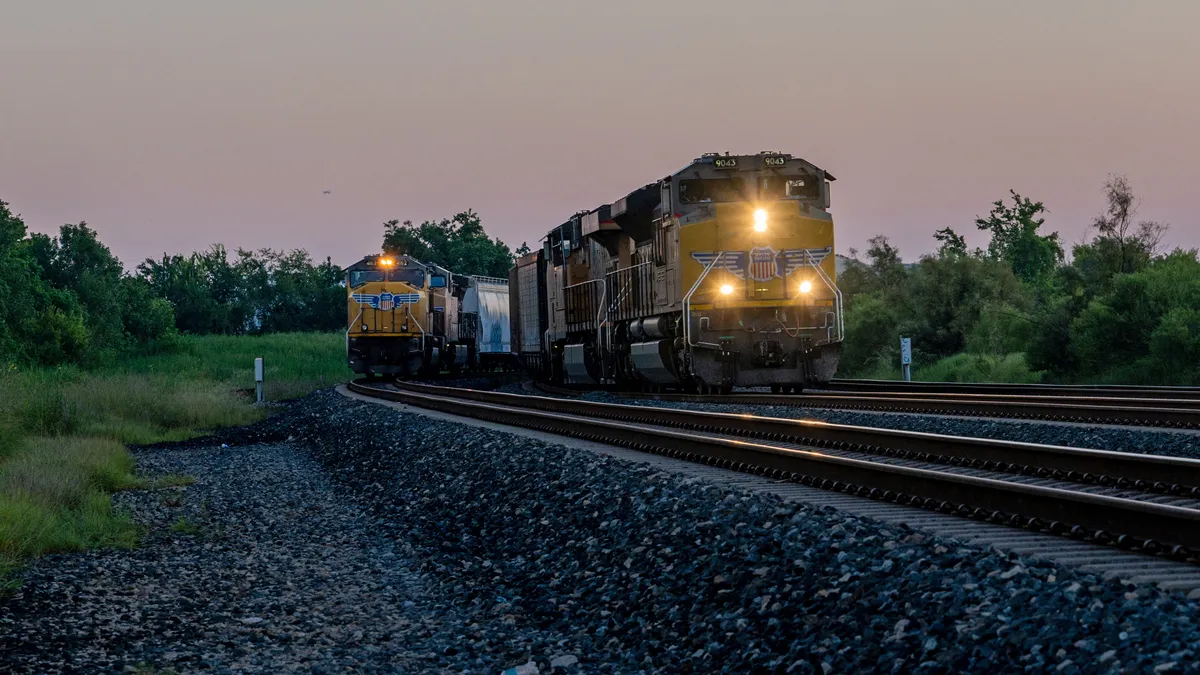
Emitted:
pixel 413 276
pixel 360 277
pixel 707 190
pixel 789 187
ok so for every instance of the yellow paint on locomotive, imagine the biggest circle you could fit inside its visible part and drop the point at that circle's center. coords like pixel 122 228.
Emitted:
pixel 759 269
pixel 386 308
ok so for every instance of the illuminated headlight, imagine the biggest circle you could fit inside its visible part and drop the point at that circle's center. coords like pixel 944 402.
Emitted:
pixel 726 289
pixel 386 262
pixel 760 220
pixel 805 286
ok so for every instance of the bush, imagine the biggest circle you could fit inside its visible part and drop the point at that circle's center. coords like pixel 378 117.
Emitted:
pixel 979 368
pixel 872 335
pixel 1142 328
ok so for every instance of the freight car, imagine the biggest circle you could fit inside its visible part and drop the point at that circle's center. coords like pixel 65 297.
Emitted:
pixel 407 318
pixel 720 275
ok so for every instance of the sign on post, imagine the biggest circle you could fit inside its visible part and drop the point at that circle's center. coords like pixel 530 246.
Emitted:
pixel 906 358
pixel 258 379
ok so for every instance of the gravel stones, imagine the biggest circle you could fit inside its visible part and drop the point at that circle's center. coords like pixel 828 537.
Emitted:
pixel 381 540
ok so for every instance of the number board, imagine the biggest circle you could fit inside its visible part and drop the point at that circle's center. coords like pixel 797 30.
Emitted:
pixel 725 163
pixel 774 160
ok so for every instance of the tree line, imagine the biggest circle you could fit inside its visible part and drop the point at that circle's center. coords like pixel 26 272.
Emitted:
pixel 1120 310
pixel 67 299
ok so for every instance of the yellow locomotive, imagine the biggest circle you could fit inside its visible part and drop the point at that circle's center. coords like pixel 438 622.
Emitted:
pixel 405 317
pixel 720 275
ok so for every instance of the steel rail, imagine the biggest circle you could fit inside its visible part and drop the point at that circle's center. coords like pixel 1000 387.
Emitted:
pixel 1105 390
pixel 1151 472
pixel 1133 523
pixel 1138 412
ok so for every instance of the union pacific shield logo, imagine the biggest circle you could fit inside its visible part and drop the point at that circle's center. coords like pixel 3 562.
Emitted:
pixel 386 301
pixel 763 264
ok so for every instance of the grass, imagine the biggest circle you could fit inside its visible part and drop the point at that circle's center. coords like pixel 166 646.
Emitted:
pixel 1008 368
pixel 185 526
pixel 63 431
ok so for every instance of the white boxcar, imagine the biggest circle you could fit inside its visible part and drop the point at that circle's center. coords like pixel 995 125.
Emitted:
pixel 487 298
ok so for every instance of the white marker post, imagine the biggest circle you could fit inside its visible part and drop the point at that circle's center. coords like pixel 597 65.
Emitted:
pixel 906 358
pixel 258 379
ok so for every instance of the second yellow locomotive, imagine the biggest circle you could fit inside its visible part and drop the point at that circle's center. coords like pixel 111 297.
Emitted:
pixel 720 275
pixel 406 317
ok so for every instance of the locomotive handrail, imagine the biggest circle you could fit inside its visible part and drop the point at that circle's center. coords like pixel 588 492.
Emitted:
pixel 625 290
pixel 600 326
pixel 352 325
pixel 567 308
pixel 408 310
pixel 837 294
pixel 687 305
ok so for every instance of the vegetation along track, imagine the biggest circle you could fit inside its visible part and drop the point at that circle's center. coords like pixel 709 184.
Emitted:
pixel 1157 412
pixel 1139 502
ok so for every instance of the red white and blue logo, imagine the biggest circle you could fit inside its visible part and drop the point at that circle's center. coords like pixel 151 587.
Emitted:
pixel 386 301
pixel 763 263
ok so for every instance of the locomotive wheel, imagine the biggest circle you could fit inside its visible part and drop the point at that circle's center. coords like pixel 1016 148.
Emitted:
pixel 726 389
pixel 775 389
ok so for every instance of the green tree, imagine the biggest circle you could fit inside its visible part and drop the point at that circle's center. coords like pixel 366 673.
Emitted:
pixel 38 323
pixel 1016 242
pixel 204 288
pixel 1122 245
pixel 1143 328
pixel 77 262
pixel 259 291
pixel 952 244
pixel 458 244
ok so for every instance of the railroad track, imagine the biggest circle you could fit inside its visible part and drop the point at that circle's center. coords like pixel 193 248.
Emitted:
pixel 1084 390
pixel 1158 412
pixel 1144 503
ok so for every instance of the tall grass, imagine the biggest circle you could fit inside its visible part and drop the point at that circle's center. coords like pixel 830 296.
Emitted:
pixel 54 496
pixel 63 431
pixel 1008 368
pixel 296 363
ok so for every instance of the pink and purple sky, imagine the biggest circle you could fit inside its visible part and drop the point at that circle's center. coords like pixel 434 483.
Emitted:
pixel 169 125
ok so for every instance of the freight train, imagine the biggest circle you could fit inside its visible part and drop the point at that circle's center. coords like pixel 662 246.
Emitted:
pixel 717 276
pixel 408 318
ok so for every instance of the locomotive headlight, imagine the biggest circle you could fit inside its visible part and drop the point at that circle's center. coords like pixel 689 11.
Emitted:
pixel 805 286
pixel 760 220
pixel 386 262
pixel 726 289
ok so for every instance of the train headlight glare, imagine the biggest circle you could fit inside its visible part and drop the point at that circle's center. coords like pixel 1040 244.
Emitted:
pixel 760 220
pixel 726 289
pixel 805 286
pixel 386 262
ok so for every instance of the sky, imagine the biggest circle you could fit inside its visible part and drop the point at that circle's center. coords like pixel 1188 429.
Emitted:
pixel 170 125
